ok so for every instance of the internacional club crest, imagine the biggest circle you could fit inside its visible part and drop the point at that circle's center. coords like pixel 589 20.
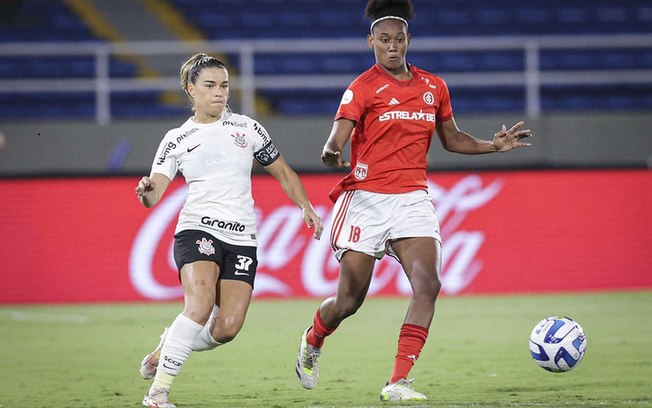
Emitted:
pixel 205 246
pixel 360 171
pixel 429 98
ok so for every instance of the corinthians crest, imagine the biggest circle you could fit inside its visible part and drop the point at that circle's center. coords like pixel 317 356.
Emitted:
pixel 239 139
pixel 205 246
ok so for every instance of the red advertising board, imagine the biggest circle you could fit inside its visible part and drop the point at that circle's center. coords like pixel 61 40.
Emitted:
pixel 89 240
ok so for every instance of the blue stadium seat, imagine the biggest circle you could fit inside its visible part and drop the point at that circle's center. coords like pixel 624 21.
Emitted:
pixel 487 99
pixel 630 58
pixel 293 18
pixel 43 20
pixel 597 98
pixel 46 21
pixel 60 67
pixel 52 20
pixel 76 105
pixel 142 104
pixel 304 101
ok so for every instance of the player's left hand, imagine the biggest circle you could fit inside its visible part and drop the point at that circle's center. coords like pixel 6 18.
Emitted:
pixel 505 140
pixel 313 220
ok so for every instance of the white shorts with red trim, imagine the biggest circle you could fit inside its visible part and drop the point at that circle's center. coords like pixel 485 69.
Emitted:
pixel 368 222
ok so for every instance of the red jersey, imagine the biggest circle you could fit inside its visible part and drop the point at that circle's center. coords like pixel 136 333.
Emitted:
pixel 395 122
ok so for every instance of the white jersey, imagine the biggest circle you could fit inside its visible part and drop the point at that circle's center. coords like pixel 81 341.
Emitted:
pixel 216 160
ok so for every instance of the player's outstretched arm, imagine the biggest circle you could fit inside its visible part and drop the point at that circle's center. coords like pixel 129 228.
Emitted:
pixel 293 187
pixel 455 140
pixel 331 154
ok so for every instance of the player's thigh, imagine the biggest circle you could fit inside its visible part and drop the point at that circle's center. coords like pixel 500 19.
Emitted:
pixel 199 277
pixel 240 263
pixel 235 298
pixel 198 280
pixel 421 260
pixel 356 271
pixel 235 285
pixel 414 216
pixel 361 222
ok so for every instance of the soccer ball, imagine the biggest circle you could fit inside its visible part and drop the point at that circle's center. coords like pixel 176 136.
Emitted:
pixel 557 344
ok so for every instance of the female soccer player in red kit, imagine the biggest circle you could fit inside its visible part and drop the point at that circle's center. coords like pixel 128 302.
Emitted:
pixel 382 206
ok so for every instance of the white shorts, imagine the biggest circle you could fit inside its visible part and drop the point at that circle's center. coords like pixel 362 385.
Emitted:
pixel 368 222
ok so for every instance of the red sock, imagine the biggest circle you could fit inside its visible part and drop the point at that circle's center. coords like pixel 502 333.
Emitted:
pixel 410 343
pixel 319 331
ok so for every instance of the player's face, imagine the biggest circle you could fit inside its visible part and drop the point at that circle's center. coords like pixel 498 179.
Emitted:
pixel 210 93
pixel 390 42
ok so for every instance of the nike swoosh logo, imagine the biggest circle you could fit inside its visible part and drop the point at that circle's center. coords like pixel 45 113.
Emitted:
pixel 241 273
pixel 190 149
pixel 169 368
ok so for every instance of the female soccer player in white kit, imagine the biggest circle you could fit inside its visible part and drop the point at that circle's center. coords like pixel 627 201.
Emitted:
pixel 390 113
pixel 215 237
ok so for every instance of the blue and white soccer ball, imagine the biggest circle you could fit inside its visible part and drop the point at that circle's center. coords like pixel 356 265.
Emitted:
pixel 557 344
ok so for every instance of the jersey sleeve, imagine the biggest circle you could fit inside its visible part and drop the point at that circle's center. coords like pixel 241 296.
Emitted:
pixel 445 111
pixel 352 105
pixel 165 161
pixel 265 152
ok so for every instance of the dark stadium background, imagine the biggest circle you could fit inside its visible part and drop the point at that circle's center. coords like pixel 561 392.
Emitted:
pixel 88 88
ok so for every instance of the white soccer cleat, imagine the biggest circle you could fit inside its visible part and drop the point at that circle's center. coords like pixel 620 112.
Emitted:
pixel 157 397
pixel 150 361
pixel 401 390
pixel 307 367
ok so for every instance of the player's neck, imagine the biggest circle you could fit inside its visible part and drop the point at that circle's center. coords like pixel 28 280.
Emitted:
pixel 401 73
pixel 205 118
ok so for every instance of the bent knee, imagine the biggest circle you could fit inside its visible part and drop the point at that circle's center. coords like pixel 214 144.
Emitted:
pixel 198 311
pixel 224 337
pixel 346 309
pixel 427 289
pixel 226 330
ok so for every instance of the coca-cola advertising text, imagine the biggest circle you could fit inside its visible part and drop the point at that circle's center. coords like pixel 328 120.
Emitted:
pixel 90 240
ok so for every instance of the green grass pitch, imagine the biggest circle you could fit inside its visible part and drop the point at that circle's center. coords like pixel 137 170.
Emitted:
pixel 476 356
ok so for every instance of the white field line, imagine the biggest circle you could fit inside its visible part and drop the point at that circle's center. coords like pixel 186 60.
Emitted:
pixel 21 316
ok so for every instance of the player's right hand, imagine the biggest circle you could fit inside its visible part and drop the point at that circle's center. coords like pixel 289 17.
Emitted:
pixel 333 159
pixel 145 185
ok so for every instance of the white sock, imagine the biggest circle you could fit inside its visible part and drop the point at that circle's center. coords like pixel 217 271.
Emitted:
pixel 178 345
pixel 204 340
